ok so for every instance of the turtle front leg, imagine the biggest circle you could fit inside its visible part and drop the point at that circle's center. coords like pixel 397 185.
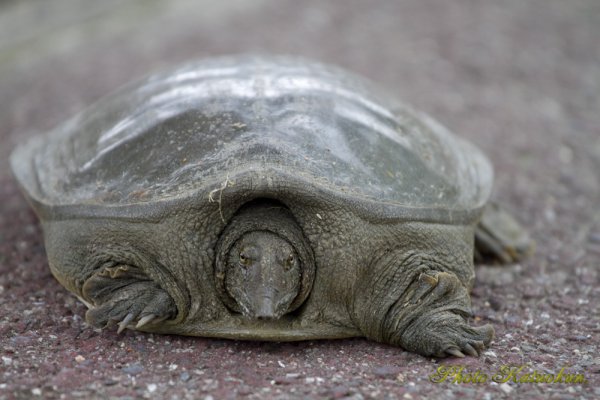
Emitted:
pixel 126 296
pixel 437 306
pixel 419 304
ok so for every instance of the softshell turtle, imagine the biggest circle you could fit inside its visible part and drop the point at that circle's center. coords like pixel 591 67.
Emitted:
pixel 266 198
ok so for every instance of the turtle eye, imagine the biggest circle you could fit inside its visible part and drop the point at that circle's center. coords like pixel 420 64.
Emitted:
pixel 245 260
pixel 290 261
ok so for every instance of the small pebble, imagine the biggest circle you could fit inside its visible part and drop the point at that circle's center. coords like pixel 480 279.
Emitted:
pixel 386 371
pixel 506 388
pixel 527 347
pixel 282 380
pixel 496 303
pixel 578 338
pixel 79 358
pixel 133 369
pixel 151 387
pixel 339 392
pixel 314 379
pixel 490 353
pixel 184 376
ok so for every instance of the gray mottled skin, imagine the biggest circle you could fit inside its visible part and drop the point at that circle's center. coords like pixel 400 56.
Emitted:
pixel 263 275
pixel 356 214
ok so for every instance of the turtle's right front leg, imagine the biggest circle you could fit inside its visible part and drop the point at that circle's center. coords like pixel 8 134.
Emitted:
pixel 417 303
pixel 432 319
pixel 125 295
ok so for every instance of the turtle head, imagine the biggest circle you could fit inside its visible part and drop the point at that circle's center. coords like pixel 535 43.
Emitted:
pixel 263 274
pixel 264 266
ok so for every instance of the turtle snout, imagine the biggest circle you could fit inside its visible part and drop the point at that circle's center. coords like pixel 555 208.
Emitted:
pixel 266 309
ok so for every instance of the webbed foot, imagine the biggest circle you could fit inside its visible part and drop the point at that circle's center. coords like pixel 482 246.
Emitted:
pixel 446 335
pixel 127 297
pixel 438 308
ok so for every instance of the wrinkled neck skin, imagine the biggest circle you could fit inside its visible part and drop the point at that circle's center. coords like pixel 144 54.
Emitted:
pixel 263 258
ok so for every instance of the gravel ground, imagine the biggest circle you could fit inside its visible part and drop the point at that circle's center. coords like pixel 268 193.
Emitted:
pixel 520 78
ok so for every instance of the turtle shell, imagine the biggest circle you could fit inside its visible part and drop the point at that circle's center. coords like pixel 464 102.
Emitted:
pixel 267 121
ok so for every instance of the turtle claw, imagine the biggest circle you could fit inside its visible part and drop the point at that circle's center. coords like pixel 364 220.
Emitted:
pixel 144 320
pixel 470 350
pixel 426 284
pixel 428 280
pixel 123 324
pixel 123 298
pixel 453 351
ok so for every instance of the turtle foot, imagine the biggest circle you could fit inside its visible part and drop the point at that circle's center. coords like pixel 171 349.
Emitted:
pixel 125 297
pixel 459 340
pixel 440 328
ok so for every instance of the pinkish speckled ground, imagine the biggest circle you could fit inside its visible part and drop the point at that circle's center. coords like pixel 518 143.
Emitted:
pixel 519 78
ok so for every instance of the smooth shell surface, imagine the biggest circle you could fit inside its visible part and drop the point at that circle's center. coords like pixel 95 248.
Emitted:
pixel 184 131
